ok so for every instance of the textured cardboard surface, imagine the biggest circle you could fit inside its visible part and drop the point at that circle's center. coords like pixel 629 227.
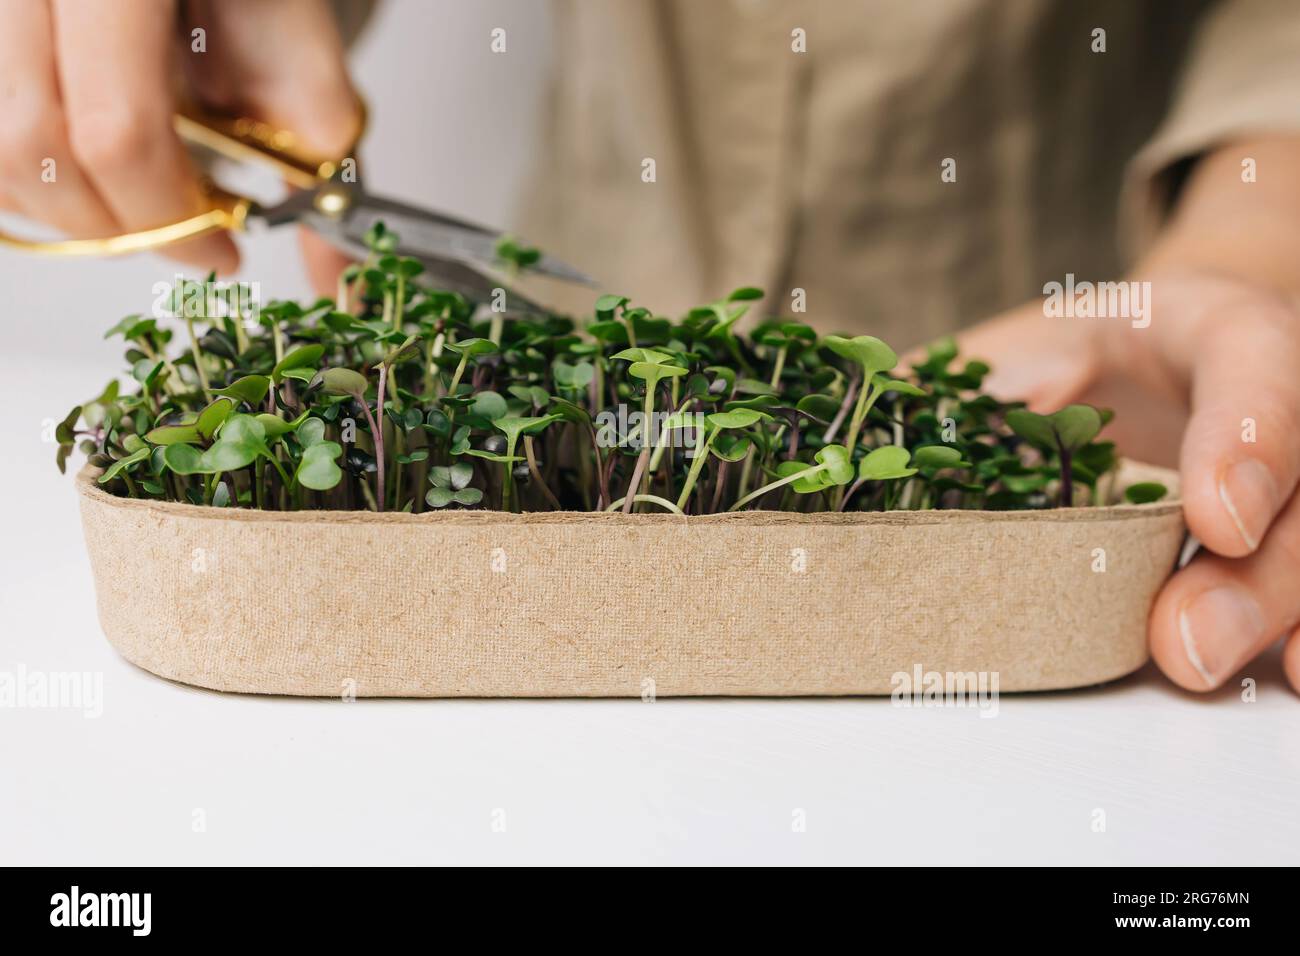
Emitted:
pixel 553 605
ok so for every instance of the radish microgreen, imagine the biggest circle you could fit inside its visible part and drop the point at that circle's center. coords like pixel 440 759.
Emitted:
pixel 404 397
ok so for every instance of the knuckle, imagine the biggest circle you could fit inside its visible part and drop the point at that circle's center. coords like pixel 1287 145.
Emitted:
pixel 115 139
pixel 1258 315
pixel 1271 327
pixel 1274 409
pixel 1275 322
pixel 332 132
pixel 331 118
pixel 27 136
pixel 1277 404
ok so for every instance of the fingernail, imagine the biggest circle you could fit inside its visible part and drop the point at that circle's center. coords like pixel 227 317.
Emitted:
pixel 1249 494
pixel 1219 627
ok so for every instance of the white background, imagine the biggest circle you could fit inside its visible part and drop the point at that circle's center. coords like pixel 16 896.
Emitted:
pixel 1180 779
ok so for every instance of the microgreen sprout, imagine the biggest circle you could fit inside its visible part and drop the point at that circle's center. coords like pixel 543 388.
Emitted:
pixel 401 397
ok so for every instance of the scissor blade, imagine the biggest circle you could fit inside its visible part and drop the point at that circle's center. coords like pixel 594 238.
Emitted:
pixel 448 275
pixel 422 232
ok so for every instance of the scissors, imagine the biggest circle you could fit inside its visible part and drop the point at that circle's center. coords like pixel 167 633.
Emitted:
pixel 328 198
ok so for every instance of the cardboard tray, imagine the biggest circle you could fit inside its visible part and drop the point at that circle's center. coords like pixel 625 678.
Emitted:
pixel 486 604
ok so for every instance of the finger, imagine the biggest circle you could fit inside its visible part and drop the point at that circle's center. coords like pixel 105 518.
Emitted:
pixel 1291 660
pixel 1241 458
pixel 1035 359
pixel 114 63
pixel 41 178
pixel 301 86
pixel 1218 613
pixel 324 263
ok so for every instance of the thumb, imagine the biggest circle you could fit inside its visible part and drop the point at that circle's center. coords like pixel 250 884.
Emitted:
pixel 324 263
pixel 282 63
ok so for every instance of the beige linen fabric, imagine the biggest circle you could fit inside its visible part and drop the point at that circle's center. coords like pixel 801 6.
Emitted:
pixel 484 604
pixel 1239 80
pixel 821 170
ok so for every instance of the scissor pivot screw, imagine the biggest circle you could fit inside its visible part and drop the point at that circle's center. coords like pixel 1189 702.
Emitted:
pixel 332 202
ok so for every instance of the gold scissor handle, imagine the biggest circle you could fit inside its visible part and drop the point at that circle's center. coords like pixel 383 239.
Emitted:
pixel 250 141
pixel 239 139
pixel 228 212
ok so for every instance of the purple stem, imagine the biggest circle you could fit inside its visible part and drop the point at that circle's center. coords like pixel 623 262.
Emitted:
pixel 838 420
pixel 1067 479
pixel 641 461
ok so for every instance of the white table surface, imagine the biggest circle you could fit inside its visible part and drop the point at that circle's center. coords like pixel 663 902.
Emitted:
pixel 281 780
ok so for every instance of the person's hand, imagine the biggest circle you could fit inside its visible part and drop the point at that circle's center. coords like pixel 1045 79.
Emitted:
pixel 89 85
pixel 1218 364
